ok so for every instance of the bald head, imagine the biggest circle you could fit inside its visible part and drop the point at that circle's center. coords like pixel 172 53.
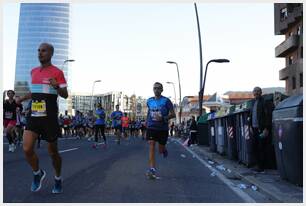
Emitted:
pixel 45 53
pixel 48 46
pixel 257 92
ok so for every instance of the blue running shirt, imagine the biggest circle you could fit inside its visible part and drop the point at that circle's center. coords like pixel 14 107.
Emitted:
pixel 100 115
pixel 117 118
pixel 158 107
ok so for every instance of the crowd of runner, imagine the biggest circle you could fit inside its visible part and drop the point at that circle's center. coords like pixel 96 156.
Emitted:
pixel 39 120
pixel 81 125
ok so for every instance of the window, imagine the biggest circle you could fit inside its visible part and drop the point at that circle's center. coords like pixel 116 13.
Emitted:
pixel 284 14
pixel 301 79
pixel 290 60
pixel 293 83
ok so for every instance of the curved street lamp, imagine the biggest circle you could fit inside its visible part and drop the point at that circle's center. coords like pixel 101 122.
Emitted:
pixel 178 75
pixel 201 93
pixel 67 60
pixel 173 90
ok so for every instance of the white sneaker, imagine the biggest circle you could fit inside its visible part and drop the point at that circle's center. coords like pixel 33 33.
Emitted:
pixel 10 148
pixel 13 148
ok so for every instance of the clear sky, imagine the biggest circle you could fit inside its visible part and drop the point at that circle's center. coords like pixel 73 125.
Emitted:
pixel 126 46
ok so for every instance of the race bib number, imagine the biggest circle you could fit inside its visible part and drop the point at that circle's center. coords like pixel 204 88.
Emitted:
pixel 156 115
pixel 39 109
pixel 8 115
pixel 118 122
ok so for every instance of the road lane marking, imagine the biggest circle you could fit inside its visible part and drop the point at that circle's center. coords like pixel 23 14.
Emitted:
pixel 247 198
pixel 68 150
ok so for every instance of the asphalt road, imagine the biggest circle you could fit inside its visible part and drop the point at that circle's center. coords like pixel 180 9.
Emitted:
pixel 117 175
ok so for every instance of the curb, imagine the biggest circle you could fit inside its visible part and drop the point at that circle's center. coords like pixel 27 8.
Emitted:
pixel 269 191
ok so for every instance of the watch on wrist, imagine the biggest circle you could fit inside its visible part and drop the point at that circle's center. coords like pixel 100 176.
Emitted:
pixel 56 87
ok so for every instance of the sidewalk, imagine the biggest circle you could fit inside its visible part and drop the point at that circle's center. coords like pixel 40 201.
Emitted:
pixel 269 183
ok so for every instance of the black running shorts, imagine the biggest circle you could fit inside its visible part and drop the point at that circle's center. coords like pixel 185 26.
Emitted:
pixel 160 136
pixel 118 128
pixel 47 127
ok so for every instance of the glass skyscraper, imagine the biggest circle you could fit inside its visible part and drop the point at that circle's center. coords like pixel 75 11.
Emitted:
pixel 38 23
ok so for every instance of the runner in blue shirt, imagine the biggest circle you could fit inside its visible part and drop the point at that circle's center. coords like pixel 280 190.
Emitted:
pixel 116 118
pixel 99 125
pixel 160 110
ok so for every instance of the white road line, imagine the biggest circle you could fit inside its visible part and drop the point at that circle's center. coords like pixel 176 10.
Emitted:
pixel 68 150
pixel 239 192
pixel 65 138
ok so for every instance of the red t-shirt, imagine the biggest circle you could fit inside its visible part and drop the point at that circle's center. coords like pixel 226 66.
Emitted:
pixel 125 121
pixel 44 96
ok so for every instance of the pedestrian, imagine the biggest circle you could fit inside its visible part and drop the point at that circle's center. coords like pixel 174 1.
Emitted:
pixel 99 125
pixel 193 131
pixel 47 83
pixel 261 122
pixel 116 118
pixel 160 111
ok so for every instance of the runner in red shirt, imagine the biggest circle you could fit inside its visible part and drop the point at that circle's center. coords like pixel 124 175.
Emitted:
pixel 125 124
pixel 47 83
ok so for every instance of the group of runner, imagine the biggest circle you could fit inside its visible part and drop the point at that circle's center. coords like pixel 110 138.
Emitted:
pixel 83 126
pixel 47 83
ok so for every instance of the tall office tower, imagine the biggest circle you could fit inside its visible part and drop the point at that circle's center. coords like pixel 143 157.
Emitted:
pixel 288 20
pixel 38 23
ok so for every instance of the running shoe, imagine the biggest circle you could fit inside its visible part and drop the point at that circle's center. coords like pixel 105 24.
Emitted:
pixel 36 184
pixel 151 173
pixel 10 148
pixel 57 188
pixel 13 148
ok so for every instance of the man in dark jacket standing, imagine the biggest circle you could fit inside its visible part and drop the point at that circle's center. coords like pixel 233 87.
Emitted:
pixel 193 131
pixel 261 121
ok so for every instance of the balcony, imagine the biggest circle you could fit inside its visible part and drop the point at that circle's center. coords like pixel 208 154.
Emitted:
pixel 291 70
pixel 287 46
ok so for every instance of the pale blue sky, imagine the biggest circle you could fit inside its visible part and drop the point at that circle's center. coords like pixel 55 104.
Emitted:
pixel 127 46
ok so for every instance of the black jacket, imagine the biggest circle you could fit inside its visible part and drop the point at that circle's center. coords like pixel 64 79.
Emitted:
pixel 193 125
pixel 264 114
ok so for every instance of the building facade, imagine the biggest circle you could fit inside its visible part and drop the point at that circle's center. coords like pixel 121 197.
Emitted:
pixel 288 20
pixel 38 23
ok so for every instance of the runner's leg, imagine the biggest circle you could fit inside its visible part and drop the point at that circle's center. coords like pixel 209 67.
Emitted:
pixel 152 153
pixel 29 139
pixel 56 158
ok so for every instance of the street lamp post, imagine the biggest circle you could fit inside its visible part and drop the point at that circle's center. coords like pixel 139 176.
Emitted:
pixel 201 61
pixel 180 100
pixel 68 101
pixel 93 85
pixel 174 91
pixel 67 60
pixel 201 93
